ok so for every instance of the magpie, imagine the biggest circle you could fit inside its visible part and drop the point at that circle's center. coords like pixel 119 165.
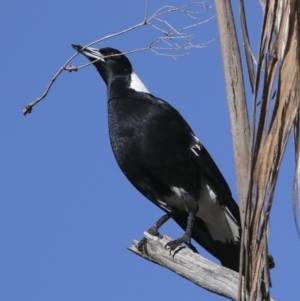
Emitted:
pixel 163 159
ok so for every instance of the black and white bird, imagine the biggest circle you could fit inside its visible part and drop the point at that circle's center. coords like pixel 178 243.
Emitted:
pixel 163 159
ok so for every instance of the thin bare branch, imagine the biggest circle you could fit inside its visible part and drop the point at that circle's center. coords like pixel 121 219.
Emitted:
pixel 177 40
pixel 146 10
pixel 28 108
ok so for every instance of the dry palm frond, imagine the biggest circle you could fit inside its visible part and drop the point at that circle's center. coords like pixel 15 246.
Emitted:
pixel 277 92
pixel 275 113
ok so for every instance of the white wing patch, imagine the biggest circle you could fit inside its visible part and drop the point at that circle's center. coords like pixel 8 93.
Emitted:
pixel 220 223
pixel 212 195
pixel 175 200
pixel 196 148
pixel 233 226
pixel 136 84
pixel 179 191
pixel 164 205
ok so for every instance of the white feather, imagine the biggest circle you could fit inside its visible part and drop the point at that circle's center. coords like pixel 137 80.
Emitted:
pixel 137 85
pixel 196 148
pixel 179 191
pixel 164 205
pixel 175 200
pixel 221 224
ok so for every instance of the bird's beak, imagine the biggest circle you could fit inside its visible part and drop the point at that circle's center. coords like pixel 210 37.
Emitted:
pixel 89 52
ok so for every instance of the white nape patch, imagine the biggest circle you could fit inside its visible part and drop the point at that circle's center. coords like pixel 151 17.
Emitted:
pixel 196 148
pixel 136 84
pixel 220 223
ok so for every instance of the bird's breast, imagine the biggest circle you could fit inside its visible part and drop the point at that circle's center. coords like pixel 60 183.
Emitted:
pixel 148 141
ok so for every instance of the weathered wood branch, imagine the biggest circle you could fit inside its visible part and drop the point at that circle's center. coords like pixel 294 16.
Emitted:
pixel 192 266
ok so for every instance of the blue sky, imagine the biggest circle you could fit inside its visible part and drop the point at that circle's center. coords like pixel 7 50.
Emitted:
pixel 67 213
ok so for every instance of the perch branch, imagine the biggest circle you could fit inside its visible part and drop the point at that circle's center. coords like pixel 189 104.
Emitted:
pixel 192 266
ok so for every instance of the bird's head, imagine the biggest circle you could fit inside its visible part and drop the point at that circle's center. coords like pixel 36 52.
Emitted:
pixel 108 61
pixel 114 68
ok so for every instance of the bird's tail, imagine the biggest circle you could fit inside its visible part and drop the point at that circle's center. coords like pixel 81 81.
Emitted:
pixel 227 253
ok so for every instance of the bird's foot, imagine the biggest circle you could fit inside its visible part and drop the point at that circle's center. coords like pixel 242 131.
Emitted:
pixel 185 239
pixel 172 245
pixel 142 245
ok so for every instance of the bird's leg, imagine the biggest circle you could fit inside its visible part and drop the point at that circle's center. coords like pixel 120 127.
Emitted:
pixel 142 245
pixel 186 238
pixel 154 229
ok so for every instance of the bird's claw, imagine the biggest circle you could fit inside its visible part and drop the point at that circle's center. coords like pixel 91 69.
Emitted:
pixel 142 246
pixel 173 244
